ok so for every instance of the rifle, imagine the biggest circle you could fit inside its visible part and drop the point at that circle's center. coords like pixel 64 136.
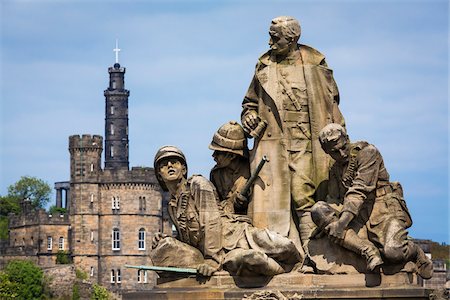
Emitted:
pixel 244 192
pixel 165 269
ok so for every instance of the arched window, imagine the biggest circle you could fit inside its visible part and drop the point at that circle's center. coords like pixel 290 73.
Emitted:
pixel 141 238
pixel 116 239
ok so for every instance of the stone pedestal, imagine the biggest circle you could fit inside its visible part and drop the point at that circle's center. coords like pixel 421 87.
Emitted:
pixel 290 286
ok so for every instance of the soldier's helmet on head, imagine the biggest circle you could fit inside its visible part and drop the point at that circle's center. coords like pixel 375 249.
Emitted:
pixel 331 132
pixel 166 152
pixel 230 137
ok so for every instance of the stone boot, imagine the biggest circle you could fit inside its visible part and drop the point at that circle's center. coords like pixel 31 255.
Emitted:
pixel 363 247
pixel 424 264
pixel 372 256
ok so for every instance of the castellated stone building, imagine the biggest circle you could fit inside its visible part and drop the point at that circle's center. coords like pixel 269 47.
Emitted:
pixel 113 212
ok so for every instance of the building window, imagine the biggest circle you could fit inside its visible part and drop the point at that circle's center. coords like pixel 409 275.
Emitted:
pixel 116 239
pixel 49 243
pixel 61 243
pixel 141 237
pixel 92 236
pixel 112 151
pixel 113 276
pixel 142 203
pixel 92 198
pixel 112 109
pixel 92 271
pixel 142 276
pixel 114 84
pixel 118 277
pixel 115 202
pixel 112 129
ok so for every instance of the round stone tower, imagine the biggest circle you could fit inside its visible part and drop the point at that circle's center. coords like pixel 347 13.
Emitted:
pixel 116 120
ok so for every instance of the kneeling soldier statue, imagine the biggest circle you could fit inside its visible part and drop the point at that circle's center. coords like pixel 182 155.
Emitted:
pixel 360 194
pixel 212 238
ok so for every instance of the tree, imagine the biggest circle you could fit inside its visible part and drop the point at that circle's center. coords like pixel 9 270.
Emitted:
pixel 25 279
pixel 32 188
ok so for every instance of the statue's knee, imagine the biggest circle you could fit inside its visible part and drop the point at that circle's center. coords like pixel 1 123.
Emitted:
pixel 394 253
pixel 322 214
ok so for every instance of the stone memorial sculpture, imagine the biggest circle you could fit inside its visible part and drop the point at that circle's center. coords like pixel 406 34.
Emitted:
pixel 361 198
pixel 291 97
pixel 232 169
pixel 208 238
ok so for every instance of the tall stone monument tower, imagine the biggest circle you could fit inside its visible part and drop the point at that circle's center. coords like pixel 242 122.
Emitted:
pixel 116 118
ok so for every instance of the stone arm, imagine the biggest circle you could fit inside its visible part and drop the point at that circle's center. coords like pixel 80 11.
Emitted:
pixel 368 165
pixel 209 218
pixel 249 116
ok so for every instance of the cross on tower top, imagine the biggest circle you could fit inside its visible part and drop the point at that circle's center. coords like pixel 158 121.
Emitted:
pixel 117 50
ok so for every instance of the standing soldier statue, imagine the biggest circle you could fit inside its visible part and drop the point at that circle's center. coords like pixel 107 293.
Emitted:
pixel 291 97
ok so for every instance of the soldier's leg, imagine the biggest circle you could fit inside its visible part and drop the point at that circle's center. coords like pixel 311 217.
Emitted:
pixel 171 252
pixel 323 214
pixel 250 263
pixel 398 249
pixel 274 245
pixel 302 192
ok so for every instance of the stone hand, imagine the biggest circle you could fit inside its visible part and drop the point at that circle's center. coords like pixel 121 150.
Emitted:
pixel 206 270
pixel 336 231
pixel 250 121
pixel 158 236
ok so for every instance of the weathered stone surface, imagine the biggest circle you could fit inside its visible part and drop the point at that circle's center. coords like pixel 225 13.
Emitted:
pixel 291 285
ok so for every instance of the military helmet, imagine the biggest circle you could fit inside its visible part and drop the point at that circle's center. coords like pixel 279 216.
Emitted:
pixel 164 152
pixel 230 137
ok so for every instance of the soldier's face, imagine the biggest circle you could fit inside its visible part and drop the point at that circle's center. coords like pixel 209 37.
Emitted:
pixel 338 149
pixel 279 44
pixel 222 158
pixel 171 169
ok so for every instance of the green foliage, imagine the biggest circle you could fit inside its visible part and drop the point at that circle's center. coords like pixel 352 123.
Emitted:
pixel 32 188
pixel 80 274
pixel 99 293
pixel 76 292
pixel 57 210
pixel 7 288
pixel 62 257
pixel 9 204
pixel 3 227
pixel 26 279
pixel 440 251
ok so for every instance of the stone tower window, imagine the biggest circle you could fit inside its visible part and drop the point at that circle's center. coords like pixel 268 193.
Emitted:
pixel 61 243
pixel 141 239
pixel 112 109
pixel 113 276
pixel 142 276
pixel 92 167
pixel 115 202
pixel 92 236
pixel 142 203
pixel 49 243
pixel 116 239
pixel 118 276
pixel 92 272
pixel 112 129
pixel 112 151
pixel 114 84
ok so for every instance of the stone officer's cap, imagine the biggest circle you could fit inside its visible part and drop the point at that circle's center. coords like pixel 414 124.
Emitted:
pixel 230 137
pixel 166 152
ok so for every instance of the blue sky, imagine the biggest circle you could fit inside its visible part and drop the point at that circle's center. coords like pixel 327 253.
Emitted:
pixel 189 64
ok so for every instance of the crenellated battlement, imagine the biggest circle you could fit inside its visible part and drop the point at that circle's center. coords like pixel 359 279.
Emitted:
pixel 37 217
pixel 86 141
